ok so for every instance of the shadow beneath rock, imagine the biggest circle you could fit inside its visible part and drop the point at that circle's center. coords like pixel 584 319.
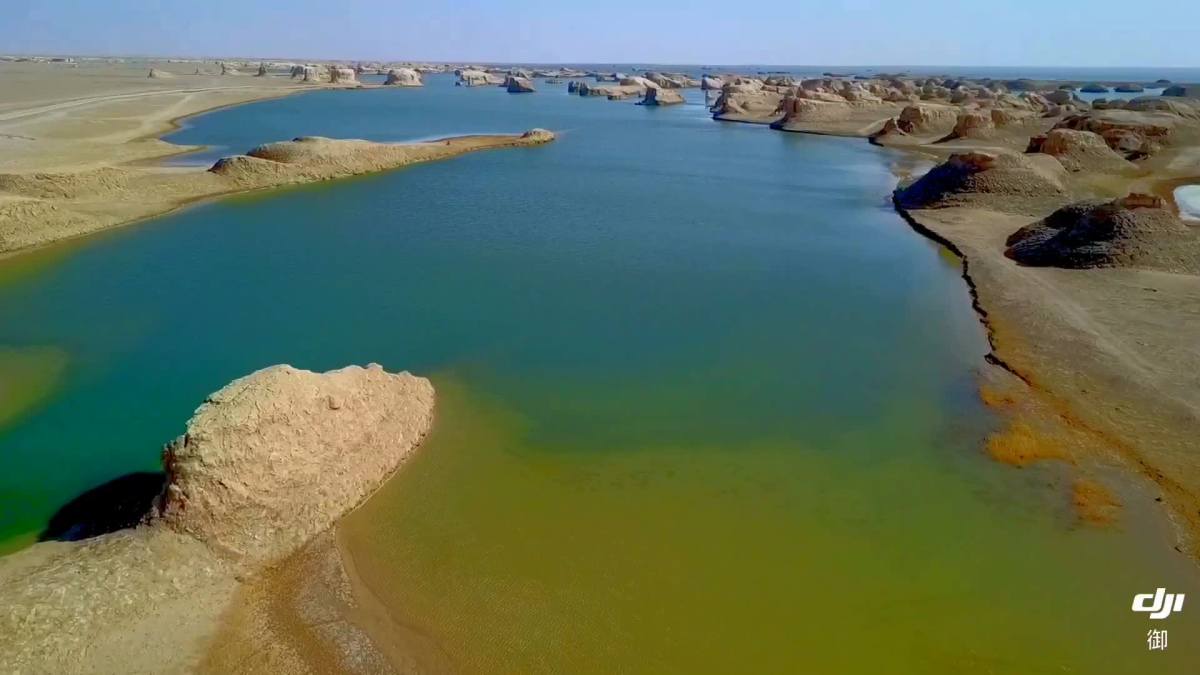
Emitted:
pixel 115 505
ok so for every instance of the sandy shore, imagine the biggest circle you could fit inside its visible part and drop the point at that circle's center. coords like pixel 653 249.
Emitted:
pixel 1096 367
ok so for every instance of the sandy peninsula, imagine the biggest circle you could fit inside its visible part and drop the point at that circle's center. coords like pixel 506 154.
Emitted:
pixel 72 165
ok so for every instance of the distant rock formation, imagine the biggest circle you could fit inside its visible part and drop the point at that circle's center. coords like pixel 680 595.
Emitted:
pixel 1002 181
pixel 262 70
pixel 1134 231
pixel 519 85
pixel 1184 91
pixel 1094 88
pixel 710 83
pixel 671 80
pixel 662 97
pixel 156 74
pixel 1136 130
pixel 972 124
pixel 1129 88
pixel 306 73
pixel 469 77
pixel 748 101
pixel 341 75
pixel 226 69
pixel 403 77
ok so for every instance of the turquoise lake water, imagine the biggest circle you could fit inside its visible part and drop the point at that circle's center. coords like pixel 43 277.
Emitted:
pixel 706 402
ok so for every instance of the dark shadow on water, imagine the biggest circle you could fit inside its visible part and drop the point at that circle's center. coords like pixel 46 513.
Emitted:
pixel 115 505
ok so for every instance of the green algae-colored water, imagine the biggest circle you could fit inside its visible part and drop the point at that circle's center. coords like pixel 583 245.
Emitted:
pixel 706 404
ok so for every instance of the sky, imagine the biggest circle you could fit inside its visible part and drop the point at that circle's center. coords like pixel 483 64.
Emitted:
pixel 1052 33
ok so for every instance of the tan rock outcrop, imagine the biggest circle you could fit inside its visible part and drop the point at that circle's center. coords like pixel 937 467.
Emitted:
pixel 519 85
pixel 469 77
pixel 267 462
pixel 1002 181
pixel 1079 151
pixel 973 124
pixel 277 456
pixel 156 74
pixel 662 97
pixel 926 118
pixel 746 103
pixel 339 75
pixel 403 77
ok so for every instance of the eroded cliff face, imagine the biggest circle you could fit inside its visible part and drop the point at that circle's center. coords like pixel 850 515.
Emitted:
pixel 276 457
pixel 267 463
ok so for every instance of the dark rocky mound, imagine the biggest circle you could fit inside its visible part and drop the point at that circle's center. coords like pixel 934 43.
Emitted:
pixel 1129 88
pixel 1183 90
pixel 1004 182
pixel 1134 231
pixel 1094 88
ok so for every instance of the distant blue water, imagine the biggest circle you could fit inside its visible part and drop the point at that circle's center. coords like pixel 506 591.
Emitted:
pixel 1105 74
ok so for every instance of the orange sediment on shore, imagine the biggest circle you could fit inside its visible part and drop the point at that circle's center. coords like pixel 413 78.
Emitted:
pixel 1020 445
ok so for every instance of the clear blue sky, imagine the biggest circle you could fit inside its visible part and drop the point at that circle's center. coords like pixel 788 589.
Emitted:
pixel 849 32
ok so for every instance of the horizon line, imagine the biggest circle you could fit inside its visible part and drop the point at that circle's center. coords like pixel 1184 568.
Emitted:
pixel 569 63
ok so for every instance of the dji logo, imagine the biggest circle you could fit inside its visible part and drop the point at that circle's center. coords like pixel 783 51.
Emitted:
pixel 1159 604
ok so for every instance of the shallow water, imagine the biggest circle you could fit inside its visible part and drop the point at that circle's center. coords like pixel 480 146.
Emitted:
pixel 1187 198
pixel 705 402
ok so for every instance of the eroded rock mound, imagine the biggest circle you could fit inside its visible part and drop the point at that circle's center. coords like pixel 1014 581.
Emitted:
pixel 1002 181
pixel 1134 231
pixel 277 456
pixel 403 77
pixel 1182 90
pixel 470 77
pixel 156 74
pixel 1079 151
pixel 747 103
pixel 342 75
pixel 926 119
pixel 519 85
pixel 662 97
pixel 972 124
pixel 268 461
